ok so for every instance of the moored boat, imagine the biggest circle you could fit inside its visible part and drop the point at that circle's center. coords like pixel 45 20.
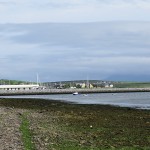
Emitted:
pixel 75 93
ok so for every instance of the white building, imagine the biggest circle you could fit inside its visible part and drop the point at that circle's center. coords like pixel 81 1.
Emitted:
pixel 19 87
pixel 111 85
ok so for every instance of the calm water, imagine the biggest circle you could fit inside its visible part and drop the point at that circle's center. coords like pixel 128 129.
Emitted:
pixel 140 100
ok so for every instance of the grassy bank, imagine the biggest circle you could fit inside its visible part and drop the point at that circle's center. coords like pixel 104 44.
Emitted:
pixel 26 134
pixel 56 125
pixel 132 85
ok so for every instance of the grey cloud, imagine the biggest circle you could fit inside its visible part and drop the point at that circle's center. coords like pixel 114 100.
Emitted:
pixel 41 4
pixel 94 36
pixel 8 3
pixel 117 1
pixel 71 51
pixel 29 11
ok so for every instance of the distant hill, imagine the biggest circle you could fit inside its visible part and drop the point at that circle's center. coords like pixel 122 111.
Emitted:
pixel 80 81
pixel 132 84
pixel 12 82
pixel 99 83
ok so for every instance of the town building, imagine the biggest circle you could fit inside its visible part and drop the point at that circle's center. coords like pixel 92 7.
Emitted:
pixel 19 87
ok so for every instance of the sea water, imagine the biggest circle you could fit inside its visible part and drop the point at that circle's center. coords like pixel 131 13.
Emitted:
pixel 139 100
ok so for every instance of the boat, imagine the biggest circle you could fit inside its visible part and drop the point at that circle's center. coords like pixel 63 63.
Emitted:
pixel 75 93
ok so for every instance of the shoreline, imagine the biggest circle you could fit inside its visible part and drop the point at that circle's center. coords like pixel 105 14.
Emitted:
pixel 61 125
pixel 38 102
pixel 136 106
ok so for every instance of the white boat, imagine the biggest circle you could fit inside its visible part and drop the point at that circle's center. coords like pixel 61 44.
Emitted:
pixel 75 93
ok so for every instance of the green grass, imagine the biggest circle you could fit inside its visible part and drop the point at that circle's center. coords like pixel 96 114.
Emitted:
pixel 132 85
pixel 26 134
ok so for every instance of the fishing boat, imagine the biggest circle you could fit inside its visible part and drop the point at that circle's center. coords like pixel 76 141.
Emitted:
pixel 75 93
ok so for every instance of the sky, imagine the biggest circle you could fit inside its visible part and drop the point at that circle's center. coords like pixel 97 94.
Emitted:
pixel 64 40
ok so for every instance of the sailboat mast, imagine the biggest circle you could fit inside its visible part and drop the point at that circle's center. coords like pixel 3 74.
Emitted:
pixel 87 82
pixel 37 79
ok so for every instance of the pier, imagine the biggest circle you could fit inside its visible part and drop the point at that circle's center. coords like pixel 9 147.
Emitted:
pixel 70 91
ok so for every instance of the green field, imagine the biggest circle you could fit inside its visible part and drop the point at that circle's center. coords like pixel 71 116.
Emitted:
pixel 132 85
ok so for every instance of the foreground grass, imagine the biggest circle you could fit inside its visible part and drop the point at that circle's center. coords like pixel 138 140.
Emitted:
pixel 26 134
pixel 62 126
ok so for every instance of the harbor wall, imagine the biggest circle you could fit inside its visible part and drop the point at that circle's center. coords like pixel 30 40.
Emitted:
pixel 70 91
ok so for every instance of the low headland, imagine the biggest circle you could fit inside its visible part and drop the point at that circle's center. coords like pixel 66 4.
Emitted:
pixel 34 124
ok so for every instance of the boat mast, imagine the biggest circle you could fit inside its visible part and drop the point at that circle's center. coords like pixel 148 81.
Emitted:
pixel 37 79
pixel 87 82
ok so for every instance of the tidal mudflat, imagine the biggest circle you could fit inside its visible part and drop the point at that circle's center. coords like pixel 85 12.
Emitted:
pixel 54 125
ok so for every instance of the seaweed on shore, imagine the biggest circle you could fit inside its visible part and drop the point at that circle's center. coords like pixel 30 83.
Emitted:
pixel 59 125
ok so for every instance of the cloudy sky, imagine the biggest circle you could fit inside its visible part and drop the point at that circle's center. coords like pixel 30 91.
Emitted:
pixel 73 39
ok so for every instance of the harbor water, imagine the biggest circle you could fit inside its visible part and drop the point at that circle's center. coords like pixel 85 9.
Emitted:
pixel 139 100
